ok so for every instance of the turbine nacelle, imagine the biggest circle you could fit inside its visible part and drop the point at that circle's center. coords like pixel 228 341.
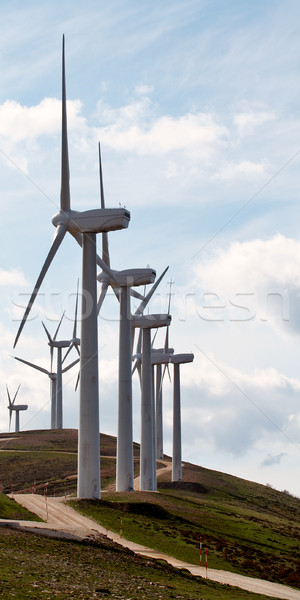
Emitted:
pixel 18 407
pixel 178 359
pixel 98 220
pixel 162 358
pixel 162 350
pixel 63 343
pixel 151 321
pixel 128 277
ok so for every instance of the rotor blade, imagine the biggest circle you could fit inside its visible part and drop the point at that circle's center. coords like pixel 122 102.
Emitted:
pixel 140 309
pixel 9 398
pixel 32 365
pixel 65 173
pixel 72 364
pixel 166 368
pixel 152 343
pixel 72 345
pixel 139 368
pixel 105 249
pixel 58 326
pixel 16 394
pixel 139 343
pixel 50 340
pixel 166 340
pixel 77 381
pixel 135 366
pixel 58 238
pixel 10 416
pixel 104 288
pixel 136 294
pixel 51 358
pixel 75 316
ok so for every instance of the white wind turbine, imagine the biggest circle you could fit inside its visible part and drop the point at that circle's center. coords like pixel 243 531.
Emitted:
pixel 159 357
pixel 148 435
pixel 122 283
pixel 16 408
pixel 177 360
pixel 53 379
pixel 83 226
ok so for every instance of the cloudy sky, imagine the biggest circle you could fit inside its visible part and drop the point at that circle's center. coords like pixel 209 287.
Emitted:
pixel 196 104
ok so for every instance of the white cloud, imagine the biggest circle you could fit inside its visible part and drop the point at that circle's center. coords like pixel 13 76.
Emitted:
pixel 14 277
pixel 254 279
pixel 135 128
pixel 246 122
pixel 18 123
pixel 244 169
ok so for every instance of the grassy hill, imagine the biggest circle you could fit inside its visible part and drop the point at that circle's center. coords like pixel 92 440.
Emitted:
pixel 246 527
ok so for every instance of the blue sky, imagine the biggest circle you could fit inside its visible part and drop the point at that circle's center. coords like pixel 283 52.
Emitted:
pixel 196 105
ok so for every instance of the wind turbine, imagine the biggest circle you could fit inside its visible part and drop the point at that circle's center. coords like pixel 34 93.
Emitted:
pixel 177 360
pixel 147 445
pixel 83 226
pixel 160 356
pixel 15 407
pixel 122 283
pixel 53 378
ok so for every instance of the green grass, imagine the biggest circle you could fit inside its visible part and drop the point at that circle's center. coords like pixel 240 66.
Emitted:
pixel 35 568
pixel 251 541
pixel 9 509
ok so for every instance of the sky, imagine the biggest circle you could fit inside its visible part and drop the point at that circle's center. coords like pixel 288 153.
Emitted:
pixel 196 104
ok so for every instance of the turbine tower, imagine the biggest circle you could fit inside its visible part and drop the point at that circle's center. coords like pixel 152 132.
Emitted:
pixel 83 226
pixel 177 360
pixel 15 407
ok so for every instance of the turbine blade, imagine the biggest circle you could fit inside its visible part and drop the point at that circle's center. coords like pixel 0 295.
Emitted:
pixel 16 394
pixel 65 173
pixel 166 368
pixel 142 306
pixel 105 249
pixel 135 366
pixel 104 288
pixel 72 364
pixel 32 365
pixel 68 352
pixel 58 238
pixel 136 294
pixel 10 416
pixel 152 344
pixel 59 324
pixel 51 358
pixel 9 398
pixel 166 340
pixel 77 381
pixel 170 378
pixel 75 316
pixel 139 343
pixel 47 334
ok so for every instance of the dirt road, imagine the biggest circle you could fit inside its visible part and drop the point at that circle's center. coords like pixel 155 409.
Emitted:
pixel 62 518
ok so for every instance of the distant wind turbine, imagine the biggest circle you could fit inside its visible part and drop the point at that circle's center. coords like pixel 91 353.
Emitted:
pixel 53 378
pixel 148 436
pixel 16 408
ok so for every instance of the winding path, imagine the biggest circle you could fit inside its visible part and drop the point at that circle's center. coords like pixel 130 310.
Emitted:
pixel 64 520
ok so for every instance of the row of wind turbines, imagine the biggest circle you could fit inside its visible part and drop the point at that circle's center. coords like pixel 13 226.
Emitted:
pixel 84 226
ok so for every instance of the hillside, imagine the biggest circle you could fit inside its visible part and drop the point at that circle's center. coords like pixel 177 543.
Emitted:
pixel 246 527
